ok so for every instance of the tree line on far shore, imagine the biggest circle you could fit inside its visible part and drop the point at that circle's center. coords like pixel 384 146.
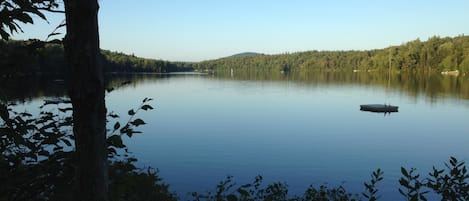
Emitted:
pixel 436 54
pixel 34 56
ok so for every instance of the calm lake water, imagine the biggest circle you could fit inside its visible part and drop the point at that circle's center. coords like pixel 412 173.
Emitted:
pixel 298 129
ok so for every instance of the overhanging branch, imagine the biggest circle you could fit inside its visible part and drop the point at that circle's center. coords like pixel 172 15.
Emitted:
pixel 51 10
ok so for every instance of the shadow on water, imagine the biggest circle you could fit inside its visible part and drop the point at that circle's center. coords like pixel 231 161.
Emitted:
pixel 431 85
pixel 27 88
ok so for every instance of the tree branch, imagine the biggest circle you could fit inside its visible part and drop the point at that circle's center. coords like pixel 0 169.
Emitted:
pixel 51 10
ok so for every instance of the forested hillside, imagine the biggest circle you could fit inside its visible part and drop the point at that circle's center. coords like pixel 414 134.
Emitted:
pixel 33 56
pixel 435 54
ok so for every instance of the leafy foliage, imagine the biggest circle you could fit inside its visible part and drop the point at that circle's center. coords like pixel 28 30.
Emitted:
pixel 13 12
pixel 37 158
pixel 114 139
pixel 450 184
pixel 412 185
pixel 128 183
pixel 28 147
pixel 371 189
pixel 277 191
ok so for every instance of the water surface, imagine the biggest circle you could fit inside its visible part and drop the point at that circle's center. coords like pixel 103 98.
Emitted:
pixel 300 129
pixel 303 133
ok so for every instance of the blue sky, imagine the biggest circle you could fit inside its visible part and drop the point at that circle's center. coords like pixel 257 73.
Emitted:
pixel 195 30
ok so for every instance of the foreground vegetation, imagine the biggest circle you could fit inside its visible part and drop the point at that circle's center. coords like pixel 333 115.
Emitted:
pixel 37 163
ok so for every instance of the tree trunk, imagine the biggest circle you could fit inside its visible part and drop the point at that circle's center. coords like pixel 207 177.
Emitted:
pixel 86 90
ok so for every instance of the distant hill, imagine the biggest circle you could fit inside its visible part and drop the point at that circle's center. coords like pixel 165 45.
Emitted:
pixel 244 54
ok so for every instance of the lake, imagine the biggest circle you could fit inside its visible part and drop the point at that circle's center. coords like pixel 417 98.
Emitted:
pixel 296 128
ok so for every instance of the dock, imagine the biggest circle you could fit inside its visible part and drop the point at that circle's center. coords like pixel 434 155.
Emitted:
pixel 380 108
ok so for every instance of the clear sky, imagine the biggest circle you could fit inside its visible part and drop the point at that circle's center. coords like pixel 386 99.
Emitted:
pixel 195 30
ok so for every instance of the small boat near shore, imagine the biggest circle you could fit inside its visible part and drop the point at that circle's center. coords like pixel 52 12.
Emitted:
pixel 380 108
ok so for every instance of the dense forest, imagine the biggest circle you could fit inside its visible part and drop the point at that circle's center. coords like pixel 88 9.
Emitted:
pixel 435 54
pixel 120 62
pixel 34 56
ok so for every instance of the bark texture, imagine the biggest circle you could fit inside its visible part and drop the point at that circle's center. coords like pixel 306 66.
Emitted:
pixel 86 82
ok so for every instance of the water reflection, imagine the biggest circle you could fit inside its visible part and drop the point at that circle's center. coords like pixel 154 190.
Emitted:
pixel 301 128
pixel 431 85
pixel 27 88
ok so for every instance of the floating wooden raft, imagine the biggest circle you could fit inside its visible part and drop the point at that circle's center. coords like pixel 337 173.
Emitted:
pixel 379 108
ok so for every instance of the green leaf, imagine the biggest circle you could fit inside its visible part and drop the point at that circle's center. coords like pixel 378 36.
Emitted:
pixel 146 100
pixel 453 161
pixel 25 18
pixel 129 133
pixel 402 192
pixel 117 125
pixel 61 25
pixel 38 13
pixel 404 183
pixel 25 114
pixel 147 107
pixel 116 141
pixel 67 142
pixel 404 172
pixel 112 115
pixel 243 192
pixel 4 114
pixel 367 186
pixel 231 197
pixel 137 122
pixel 111 151
pixel 365 195
pixel 131 112
pixel 57 148
pixel 65 109
pixel 53 34
pixel 5 35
